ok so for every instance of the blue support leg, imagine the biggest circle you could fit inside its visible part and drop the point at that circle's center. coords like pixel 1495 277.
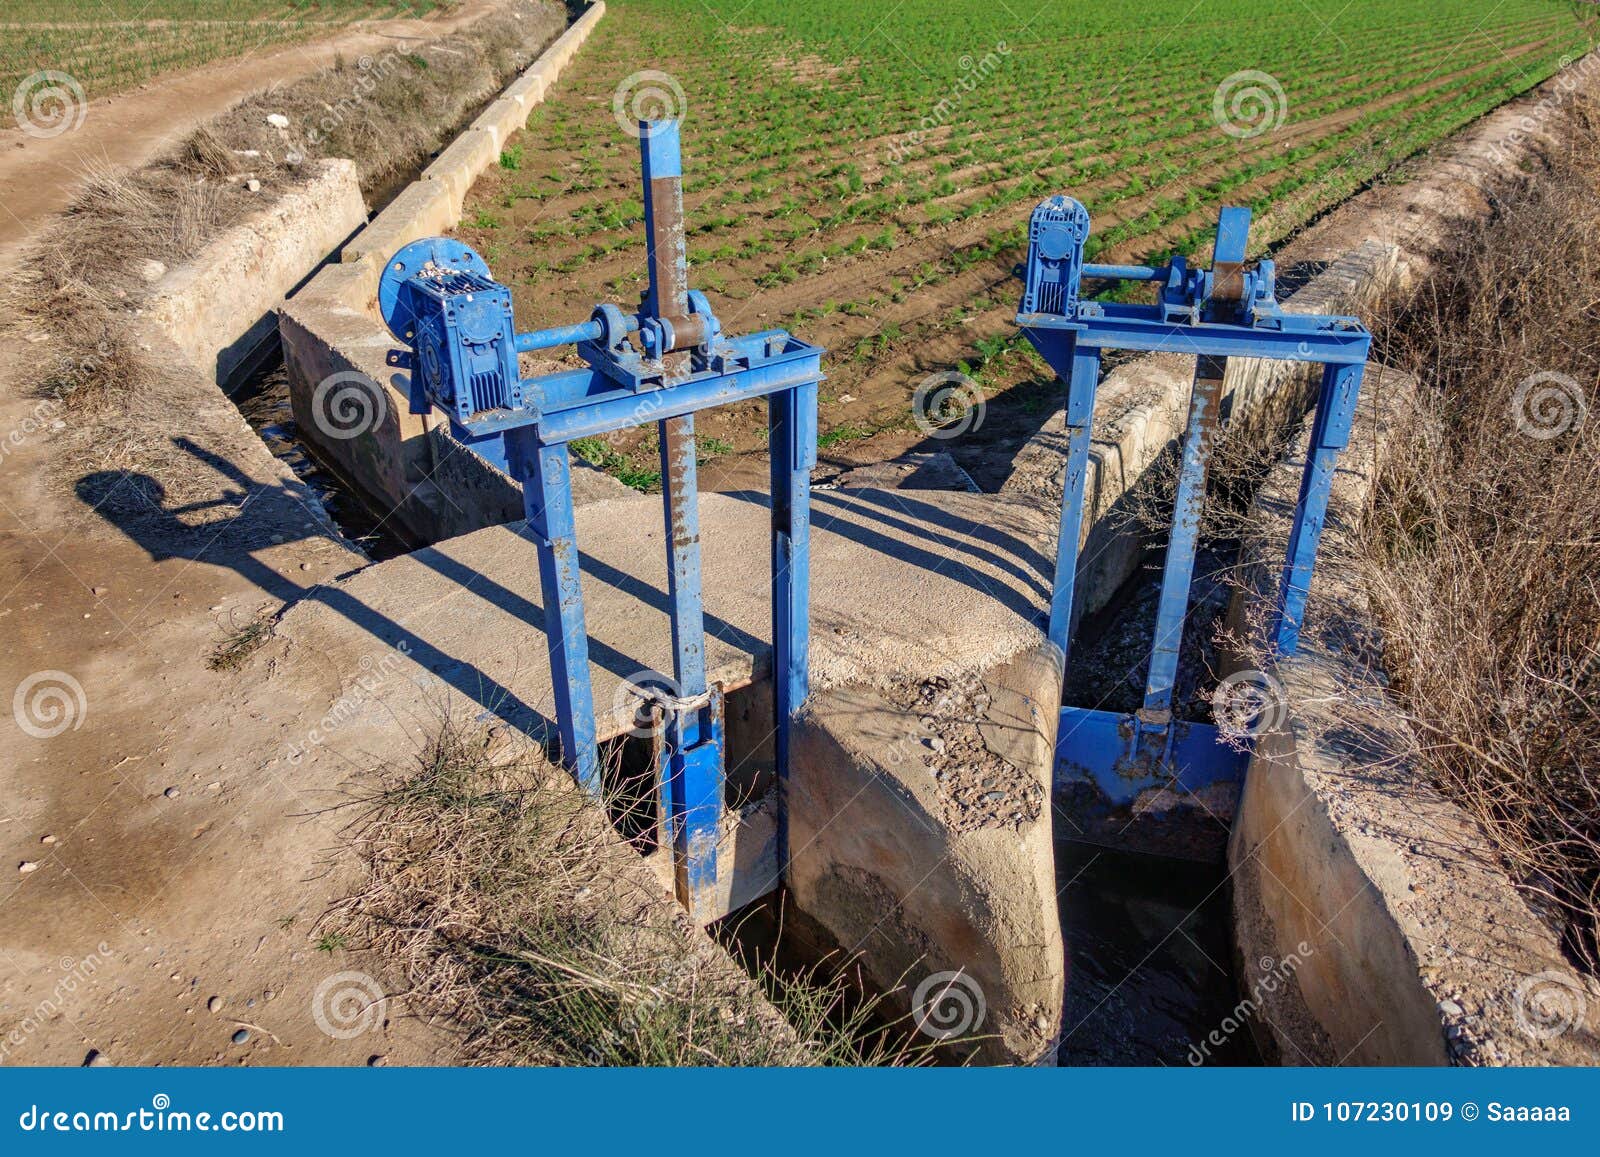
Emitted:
pixel 792 446
pixel 1083 378
pixel 546 477
pixel 692 779
pixel 1330 433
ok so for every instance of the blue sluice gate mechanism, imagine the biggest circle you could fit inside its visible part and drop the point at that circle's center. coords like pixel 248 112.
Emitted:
pixel 669 359
pixel 661 363
pixel 1229 310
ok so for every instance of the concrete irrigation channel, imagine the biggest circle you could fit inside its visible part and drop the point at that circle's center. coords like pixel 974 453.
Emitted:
pixel 928 833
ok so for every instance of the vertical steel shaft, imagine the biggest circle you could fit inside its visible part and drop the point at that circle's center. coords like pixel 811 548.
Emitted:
pixel 692 780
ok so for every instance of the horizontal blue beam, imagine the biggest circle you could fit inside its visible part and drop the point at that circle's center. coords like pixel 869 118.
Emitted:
pixel 570 413
pixel 1104 748
pixel 625 410
pixel 1335 346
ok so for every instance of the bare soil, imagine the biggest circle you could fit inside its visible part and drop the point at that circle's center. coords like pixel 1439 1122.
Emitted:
pixel 39 177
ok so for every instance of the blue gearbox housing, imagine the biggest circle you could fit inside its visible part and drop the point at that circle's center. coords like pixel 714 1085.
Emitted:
pixel 1057 232
pixel 439 296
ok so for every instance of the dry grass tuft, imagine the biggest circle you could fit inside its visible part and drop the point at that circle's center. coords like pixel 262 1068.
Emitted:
pixel 242 640
pixel 1484 544
pixel 498 893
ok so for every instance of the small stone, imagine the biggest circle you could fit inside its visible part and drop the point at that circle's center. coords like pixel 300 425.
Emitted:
pixel 241 1036
pixel 176 976
pixel 277 120
pixel 172 793
pixel 377 1061
pixel 846 399
pixel 1450 1008
pixel 214 1004
pixel 1416 849
pixel 268 995
pixel 99 592
pixel 152 270
pixel 95 1060
pixel 993 796
pixel 253 185
pixel 47 840
pixel 1041 1024
pixel 27 866
pixel 305 566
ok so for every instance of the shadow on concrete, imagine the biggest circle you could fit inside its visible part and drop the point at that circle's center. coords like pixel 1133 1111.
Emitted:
pixel 136 504
pixel 266 515
pixel 846 514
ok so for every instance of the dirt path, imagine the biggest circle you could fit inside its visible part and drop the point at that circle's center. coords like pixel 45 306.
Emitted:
pixel 165 861
pixel 39 175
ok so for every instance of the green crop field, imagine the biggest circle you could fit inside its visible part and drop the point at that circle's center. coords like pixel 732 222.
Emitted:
pixel 106 46
pixel 862 172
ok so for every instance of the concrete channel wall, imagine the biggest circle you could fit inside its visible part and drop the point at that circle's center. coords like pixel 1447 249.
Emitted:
pixel 349 405
pixel 1373 924
pixel 221 307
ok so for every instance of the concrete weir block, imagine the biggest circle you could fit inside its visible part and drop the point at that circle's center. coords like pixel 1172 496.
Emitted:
pixel 529 89
pixel 931 587
pixel 423 209
pixel 502 118
pixel 920 837
pixel 459 165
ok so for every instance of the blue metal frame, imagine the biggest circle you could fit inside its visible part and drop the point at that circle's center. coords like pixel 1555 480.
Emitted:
pixel 660 364
pixel 1230 310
